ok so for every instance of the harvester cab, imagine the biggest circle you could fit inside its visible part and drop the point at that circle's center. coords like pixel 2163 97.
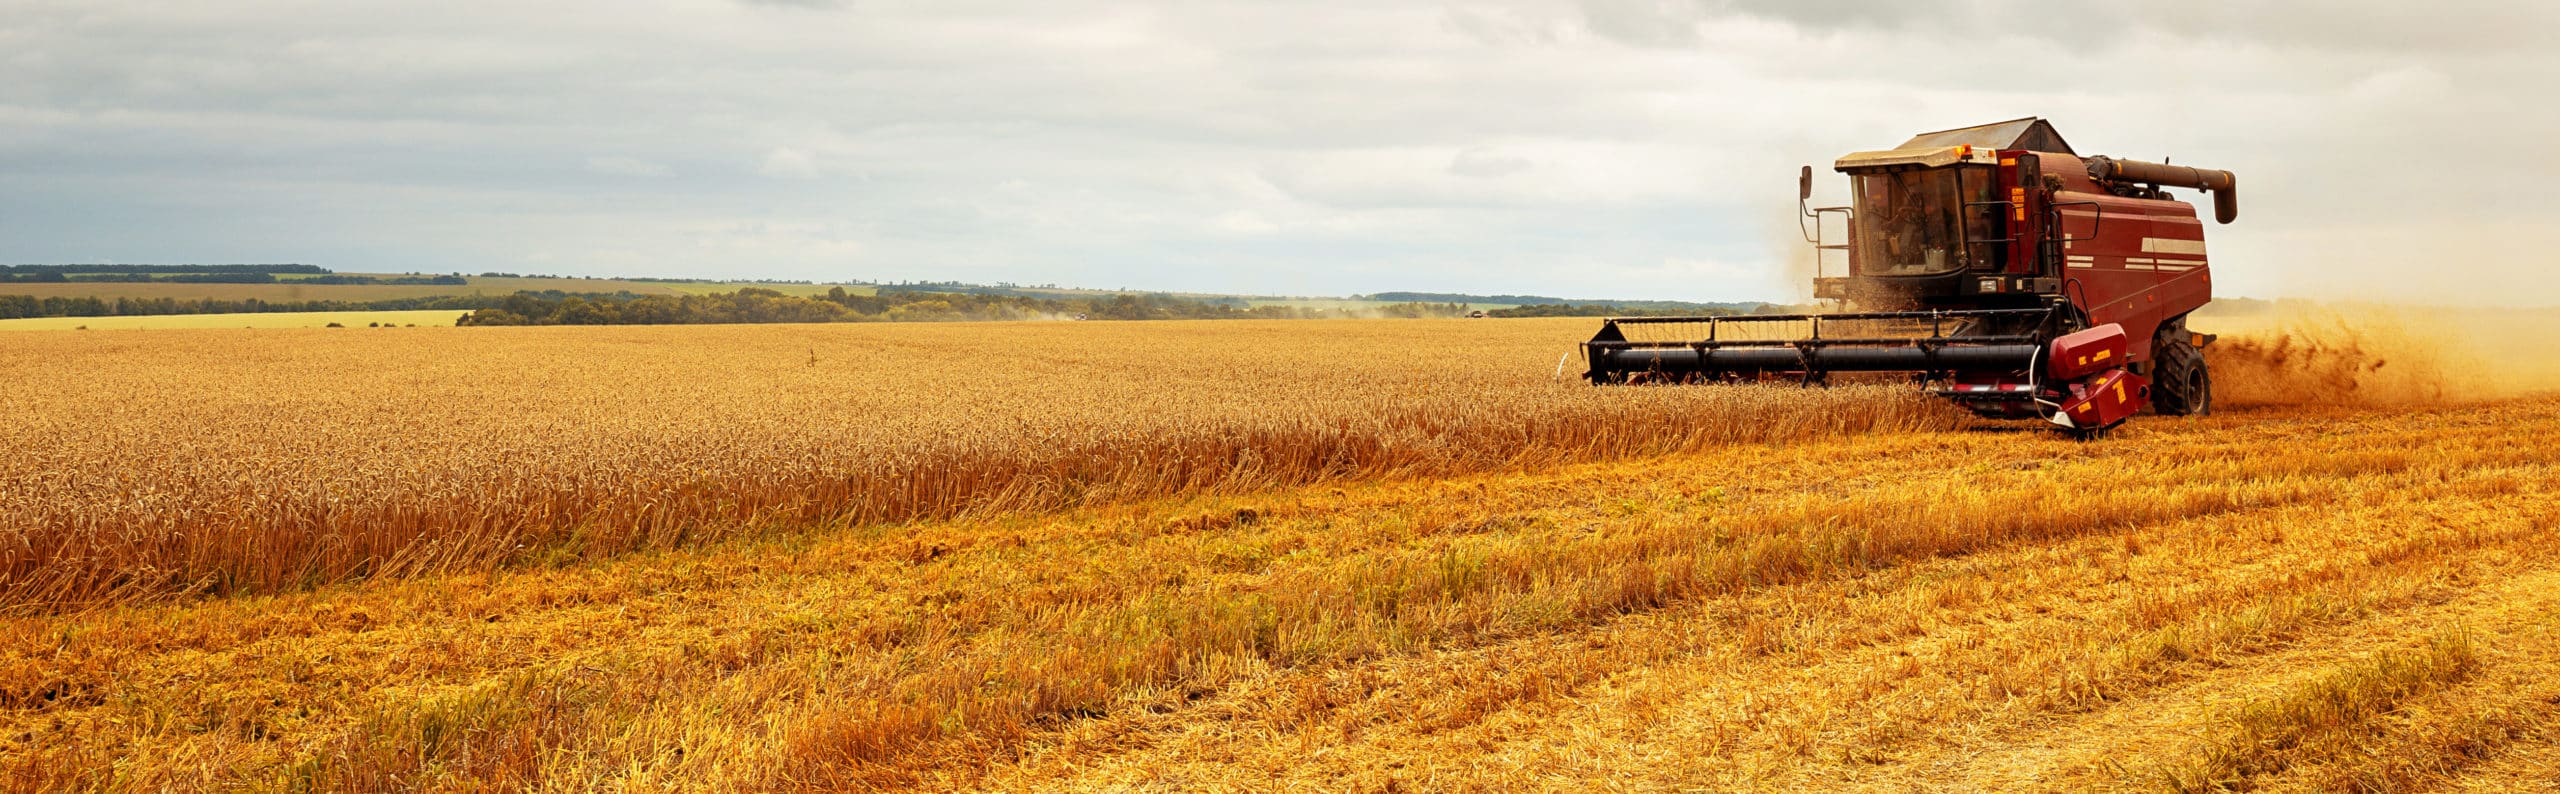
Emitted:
pixel 1994 266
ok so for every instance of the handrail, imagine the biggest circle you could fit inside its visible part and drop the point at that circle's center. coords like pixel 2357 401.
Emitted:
pixel 1814 234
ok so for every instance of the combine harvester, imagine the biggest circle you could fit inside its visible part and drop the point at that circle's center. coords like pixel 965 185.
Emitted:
pixel 1993 265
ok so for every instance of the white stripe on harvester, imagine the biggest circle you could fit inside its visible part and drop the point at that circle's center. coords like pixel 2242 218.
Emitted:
pixel 2165 245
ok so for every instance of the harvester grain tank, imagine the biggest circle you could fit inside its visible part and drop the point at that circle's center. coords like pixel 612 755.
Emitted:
pixel 1993 265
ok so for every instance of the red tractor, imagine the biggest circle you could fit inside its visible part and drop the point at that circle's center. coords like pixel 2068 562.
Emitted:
pixel 1994 266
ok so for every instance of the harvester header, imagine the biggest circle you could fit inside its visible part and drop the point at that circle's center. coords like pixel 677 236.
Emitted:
pixel 1992 264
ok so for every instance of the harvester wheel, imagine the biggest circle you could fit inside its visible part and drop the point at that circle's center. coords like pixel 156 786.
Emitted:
pixel 2180 385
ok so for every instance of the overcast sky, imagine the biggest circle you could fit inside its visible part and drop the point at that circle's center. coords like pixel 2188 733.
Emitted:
pixel 1605 148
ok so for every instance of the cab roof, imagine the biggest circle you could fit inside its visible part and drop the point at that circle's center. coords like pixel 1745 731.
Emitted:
pixel 1963 144
pixel 2030 133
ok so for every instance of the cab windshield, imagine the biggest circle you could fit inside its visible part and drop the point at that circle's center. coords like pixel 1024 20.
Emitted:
pixel 1915 223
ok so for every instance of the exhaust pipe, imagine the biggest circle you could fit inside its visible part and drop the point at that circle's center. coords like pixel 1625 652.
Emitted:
pixel 2224 186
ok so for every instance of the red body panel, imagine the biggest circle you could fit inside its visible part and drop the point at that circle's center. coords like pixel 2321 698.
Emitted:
pixel 2130 261
pixel 2026 212
pixel 2106 399
pixel 2077 355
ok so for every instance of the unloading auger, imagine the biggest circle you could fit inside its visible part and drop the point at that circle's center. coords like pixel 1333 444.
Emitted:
pixel 1994 266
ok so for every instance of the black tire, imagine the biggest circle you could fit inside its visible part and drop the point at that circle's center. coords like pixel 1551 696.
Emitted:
pixel 2180 383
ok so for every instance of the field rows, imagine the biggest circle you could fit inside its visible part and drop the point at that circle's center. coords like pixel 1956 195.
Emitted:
pixel 1992 610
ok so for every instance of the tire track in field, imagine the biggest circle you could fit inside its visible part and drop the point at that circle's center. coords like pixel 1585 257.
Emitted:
pixel 1400 713
pixel 2131 745
pixel 2525 768
pixel 1519 675
pixel 2504 706
pixel 2236 475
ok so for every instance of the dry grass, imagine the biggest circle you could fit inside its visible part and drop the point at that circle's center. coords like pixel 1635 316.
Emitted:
pixel 1774 607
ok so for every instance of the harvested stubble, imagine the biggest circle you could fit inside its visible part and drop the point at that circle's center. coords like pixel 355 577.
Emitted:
pixel 224 461
pixel 1941 610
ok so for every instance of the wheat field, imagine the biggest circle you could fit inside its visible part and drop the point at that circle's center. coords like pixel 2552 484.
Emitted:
pixel 226 463
pixel 1373 555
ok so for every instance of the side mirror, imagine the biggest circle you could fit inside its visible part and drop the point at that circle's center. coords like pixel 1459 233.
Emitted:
pixel 1804 184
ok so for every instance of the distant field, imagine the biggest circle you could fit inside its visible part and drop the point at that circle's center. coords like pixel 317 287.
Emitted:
pixel 288 289
pixel 479 285
pixel 804 290
pixel 1345 304
pixel 439 317
pixel 1335 304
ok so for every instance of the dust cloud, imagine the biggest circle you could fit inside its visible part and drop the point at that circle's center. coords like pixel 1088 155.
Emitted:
pixel 1798 261
pixel 2299 353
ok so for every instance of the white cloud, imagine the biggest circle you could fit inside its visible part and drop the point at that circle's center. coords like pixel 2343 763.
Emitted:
pixel 1301 146
pixel 1244 222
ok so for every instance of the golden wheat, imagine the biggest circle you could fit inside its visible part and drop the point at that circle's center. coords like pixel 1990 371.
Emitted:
pixel 1804 614
pixel 1281 574
pixel 246 462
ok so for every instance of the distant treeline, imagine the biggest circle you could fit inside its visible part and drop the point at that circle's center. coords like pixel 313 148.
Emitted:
pixel 222 278
pixel 1045 293
pixel 341 278
pixel 754 305
pixel 1623 308
pixel 645 279
pixel 71 269
pixel 206 274
pixel 1604 310
pixel 53 277
pixel 14 307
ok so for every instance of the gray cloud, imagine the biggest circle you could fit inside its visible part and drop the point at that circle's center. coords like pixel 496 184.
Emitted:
pixel 1324 146
pixel 1644 23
